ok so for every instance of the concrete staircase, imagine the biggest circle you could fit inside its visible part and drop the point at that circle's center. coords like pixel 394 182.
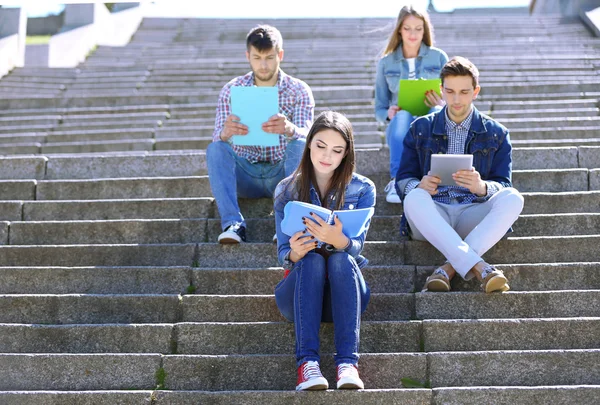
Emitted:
pixel 115 292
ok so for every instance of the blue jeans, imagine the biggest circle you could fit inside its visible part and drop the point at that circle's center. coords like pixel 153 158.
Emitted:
pixel 324 290
pixel 395 133
pixel 232 176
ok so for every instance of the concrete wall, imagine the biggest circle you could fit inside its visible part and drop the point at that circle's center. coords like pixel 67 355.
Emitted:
pixel 13 28
pixel 45 25
pixel 569 8
pixel 88 25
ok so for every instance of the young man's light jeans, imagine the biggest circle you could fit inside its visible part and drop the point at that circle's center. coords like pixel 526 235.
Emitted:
pixel 462 232
pixel 232 176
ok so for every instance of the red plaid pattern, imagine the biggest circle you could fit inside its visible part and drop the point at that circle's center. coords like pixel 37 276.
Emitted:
pixel 296 102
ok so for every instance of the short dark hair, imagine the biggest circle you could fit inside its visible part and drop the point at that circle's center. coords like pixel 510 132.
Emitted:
pixel 264 38
pixel 459 66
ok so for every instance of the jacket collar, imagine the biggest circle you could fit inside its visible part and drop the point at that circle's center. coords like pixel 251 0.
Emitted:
pixel 399 56
pixel 439 122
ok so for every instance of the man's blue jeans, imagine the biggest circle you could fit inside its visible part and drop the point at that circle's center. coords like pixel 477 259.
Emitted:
pixel 395 134
pixel 232 176
pixel 324 290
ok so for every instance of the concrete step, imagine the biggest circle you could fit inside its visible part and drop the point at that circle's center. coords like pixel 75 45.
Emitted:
pixel 98 280
pixel 100 397
pixel 90 308
pixel 510 368
pixel 555 395
pixel 86 338
pixel 196 230
pixel 223 281
pixel 255 397
pixel 98 255
pixel 278 372
pixel 389 337
pixel 396 307
pixel 78 372
pixel 98 146
pixel 510 334
pixel 174 208
pixel 539 249
pixel 394 279
pixel 156 187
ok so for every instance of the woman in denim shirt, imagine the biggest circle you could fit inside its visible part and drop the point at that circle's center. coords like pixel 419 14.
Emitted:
pixel 322 280
pixel 409 55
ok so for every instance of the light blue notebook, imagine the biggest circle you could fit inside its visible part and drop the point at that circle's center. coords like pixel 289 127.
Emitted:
pixel 354 221
pixel 254 106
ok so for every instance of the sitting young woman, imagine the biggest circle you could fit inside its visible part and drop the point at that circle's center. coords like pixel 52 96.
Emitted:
pixel 323 280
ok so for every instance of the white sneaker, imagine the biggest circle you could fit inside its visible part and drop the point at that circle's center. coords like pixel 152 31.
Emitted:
pixel 275 238
pixel 390 191
pixel 347 377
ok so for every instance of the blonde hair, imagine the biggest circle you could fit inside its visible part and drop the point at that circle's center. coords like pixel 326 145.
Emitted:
pixel 396 38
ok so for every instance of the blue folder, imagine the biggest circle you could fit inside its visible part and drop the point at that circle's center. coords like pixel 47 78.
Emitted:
pixel 254 106
pixel 354 221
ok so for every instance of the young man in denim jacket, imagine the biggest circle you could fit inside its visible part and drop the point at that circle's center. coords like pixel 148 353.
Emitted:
pixel 463 221
pixel 254 171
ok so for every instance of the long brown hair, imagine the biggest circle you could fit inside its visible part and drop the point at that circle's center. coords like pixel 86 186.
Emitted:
pixel 396 38
pixel 304 175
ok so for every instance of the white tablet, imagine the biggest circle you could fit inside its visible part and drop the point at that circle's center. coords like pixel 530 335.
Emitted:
pixel 443 166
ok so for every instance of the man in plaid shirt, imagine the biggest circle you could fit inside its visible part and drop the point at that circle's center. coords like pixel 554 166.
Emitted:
pixel 465 219
pixel 254 171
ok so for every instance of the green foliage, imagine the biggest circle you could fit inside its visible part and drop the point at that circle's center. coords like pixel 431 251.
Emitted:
pixel 161 376
pixel 191 289
pixel 412 383
pixel 37 39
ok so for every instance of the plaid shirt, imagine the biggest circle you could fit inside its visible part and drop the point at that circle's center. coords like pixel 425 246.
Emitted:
pixel 457 139
pixel 296 102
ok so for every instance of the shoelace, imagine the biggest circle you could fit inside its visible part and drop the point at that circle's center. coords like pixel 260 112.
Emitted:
pixel 311 370
pixel 345 369
pixel 389 186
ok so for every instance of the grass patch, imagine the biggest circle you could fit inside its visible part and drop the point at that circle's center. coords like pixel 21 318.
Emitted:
pixel 37 40
pixel 160 375
pixel 412 383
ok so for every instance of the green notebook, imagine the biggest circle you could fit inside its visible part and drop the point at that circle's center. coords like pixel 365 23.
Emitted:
pixel 411 95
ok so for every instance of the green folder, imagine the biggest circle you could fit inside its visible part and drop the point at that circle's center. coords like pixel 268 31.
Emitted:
pixel 411 95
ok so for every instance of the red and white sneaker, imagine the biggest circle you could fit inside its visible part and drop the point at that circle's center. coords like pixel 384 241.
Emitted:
pixel 310 377
pixel 347 377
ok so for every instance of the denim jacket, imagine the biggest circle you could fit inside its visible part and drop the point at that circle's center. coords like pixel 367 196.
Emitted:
pixel 488 141
pixel 393 67
pixel 360 193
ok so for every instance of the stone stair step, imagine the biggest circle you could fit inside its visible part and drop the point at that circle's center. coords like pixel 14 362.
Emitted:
pixel 510 334
pixel 104 397
pixel 81 372
pixel 98 255
pixel 278 372
pixel 145 231
pixel 94 189
pixel 159 208
pixel 514 250
pixel 557 394
pixel 262 308
pixel 103 338
pixel 454 305
pixel 278 338
pixel 510 368
pixel 96 280
pixel 89 308
pixel 542 304
pixel 98 146
pixel 257 397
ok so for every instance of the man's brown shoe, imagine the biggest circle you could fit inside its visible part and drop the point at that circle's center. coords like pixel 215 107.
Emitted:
pixel 437 283
pixel 495 281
